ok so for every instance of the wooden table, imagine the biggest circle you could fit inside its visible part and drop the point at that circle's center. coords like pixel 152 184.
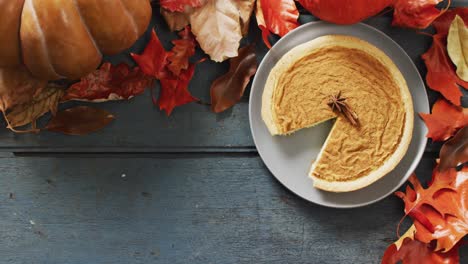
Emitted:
pixel 189 188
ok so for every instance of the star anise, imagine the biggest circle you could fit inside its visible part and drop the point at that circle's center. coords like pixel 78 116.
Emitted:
pixel 336 102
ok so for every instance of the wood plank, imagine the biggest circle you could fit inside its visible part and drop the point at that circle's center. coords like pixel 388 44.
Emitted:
pixel 177 209
pixel 140 127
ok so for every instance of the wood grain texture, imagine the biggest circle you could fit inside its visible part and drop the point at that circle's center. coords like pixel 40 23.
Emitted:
pixel 177 209
pixel 140 127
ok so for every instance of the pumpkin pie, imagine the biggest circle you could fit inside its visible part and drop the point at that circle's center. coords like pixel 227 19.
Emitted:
pixel 352 82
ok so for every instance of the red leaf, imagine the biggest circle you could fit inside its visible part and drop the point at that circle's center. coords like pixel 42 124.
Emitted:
pixel 442 23
pixel 153 61
pixel 174 92
pixel 454 151
pixel 415 13
pixel 439 212
pixel 180 5
pixel 109 83
pixel 183 49
pixel 345 11
pixel 445 120
pixel 80 120
pixel 441 74
pixel 415 252
pixel 280 16
pixel 227 90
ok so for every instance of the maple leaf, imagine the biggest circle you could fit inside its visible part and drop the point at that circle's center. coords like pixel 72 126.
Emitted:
pixel 441 74
pixel 18 86
pixel 345 11
pixel 217 28
pixel 439 212
pixel 183 49
pixel 174 92
pixel 79 120
pixel 228 89
pixel 280 16
pixel 180 5
pixel 109 83
pixel 153 60
pixel 457 46
pixel 407 250
pixel 455 150
pixel 415 13
pixel 445 120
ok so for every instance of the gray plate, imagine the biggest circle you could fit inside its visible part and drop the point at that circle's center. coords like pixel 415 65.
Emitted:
pixel 288 158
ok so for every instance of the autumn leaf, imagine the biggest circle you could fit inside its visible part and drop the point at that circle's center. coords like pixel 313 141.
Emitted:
pixel 18 86
pixel 454 151
pixel 280 16
pixel 457 46
pixel 441 74
pixel 154 59
pixel 439 212
pixel 416 14
pixel 175 20
pixel 443 22
pixel 261 24
pixel 246 8
pixel 228 89
pixel 183 49
pixel 79 120
pixel 217 28
pixel 174 92
pixel 180 5
pixel 407 250
pixel 345 11
pixel 110 83
pixel 445 120
pixel 27 113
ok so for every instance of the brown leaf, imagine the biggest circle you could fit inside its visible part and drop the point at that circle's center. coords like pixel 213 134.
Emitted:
pixel 454 151
pixel 246 8
pixel 17 86
pixel 227 90
pixel 175 20
pixel 80 120
pixel 29 112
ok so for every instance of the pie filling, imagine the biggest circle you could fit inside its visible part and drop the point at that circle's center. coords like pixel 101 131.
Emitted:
pixel 301 97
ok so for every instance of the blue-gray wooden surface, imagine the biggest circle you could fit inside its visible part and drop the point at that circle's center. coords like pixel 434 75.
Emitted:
pixel 189 188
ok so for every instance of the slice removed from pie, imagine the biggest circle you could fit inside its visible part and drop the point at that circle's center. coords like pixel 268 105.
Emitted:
pixel 298 92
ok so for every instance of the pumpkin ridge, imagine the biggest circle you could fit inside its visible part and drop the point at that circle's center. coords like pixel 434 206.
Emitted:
pixel 132 19
pixel 87 28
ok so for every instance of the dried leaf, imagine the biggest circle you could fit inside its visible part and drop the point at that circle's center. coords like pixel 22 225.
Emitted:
pixel 29 112
pixel 443 22
pixel 175 20
pixel 407 250
pixel 415 14
pixel 183 49
pixel 457 46
pixel 445 120
pixel 18 86
pixel 217 28
pixel 439 212
pixel 345 11
pixel 454 151
pixel 227 90
pixel 153 61
pixel 245 8
pixel 261 24
pixel 174 92
pixel 80 120
pixel 110 83
pixel 441 74
pixel 180 5
pixel 280 16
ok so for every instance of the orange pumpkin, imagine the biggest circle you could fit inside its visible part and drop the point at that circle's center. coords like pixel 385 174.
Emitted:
pixel 67 38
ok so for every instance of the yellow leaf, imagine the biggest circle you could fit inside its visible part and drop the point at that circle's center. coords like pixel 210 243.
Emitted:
pixel 457 46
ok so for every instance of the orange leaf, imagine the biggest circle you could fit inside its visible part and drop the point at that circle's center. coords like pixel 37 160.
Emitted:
pixel 280 16
pixel 180 5
pixel 439 212
pixel 80 120
pixel 442 23
pixel 445 120
pixel 153 61
pixel 109 83
pixel 415 13
pixel 227 90
pixel 183 49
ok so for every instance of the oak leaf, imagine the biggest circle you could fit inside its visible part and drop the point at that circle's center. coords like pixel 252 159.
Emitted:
pixel 183 49
pixel 445 120
pixel 180 5
pixel 407 250
pixel 174 92
pixel 228 89
pixel 455 151
pixel 79 121
pixel 439 211
pixel 457 46
pixel 110 83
